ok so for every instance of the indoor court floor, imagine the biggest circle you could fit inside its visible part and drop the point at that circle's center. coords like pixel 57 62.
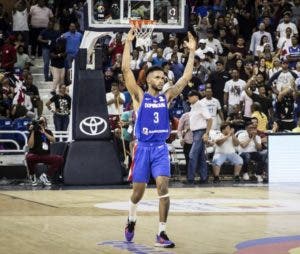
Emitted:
pixel 240 219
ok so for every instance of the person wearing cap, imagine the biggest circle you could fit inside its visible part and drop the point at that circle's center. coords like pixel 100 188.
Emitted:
pixel 213 43
pixel 200 125
pixel 281 28
pixel 283 78
pixel 203 48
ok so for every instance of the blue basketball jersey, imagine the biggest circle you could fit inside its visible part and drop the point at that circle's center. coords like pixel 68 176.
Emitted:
pixel 152 123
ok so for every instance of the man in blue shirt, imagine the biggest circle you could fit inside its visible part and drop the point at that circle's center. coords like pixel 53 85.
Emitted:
pixel 152 128
pixel 73 40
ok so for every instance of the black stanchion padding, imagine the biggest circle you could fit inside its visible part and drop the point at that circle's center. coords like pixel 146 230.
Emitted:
pixel 91 118
pixel 98 58
pixel 92 163
pixel 82 58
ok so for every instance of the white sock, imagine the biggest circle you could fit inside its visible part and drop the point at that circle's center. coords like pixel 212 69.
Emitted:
pixel 161 227
pixel 132 211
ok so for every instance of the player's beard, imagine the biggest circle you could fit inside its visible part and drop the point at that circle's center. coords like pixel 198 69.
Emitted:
pixel 156 88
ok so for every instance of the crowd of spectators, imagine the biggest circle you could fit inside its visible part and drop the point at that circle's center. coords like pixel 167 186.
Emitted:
pixel 246 69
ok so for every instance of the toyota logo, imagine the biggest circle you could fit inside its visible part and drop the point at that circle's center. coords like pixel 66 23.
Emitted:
pixel 93 125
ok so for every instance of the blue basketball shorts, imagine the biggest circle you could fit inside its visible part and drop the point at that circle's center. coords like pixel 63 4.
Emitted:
pixel 149 158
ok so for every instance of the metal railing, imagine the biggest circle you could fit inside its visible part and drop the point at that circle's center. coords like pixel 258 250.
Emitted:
pixel 60 136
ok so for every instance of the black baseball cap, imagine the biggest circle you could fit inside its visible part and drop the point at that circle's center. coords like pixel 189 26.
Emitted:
pixel 193 93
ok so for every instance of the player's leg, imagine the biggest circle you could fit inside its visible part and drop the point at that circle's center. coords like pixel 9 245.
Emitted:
pixel 137 194
pixel 161 172
pixel 139 174
pixel 162 239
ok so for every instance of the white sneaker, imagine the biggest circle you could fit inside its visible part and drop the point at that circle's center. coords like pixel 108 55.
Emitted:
pixel 33 180
pixel 246 176
pixel 259 178
pixel 44 179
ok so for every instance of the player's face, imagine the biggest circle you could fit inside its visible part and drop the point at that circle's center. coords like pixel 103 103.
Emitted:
pixel 156 80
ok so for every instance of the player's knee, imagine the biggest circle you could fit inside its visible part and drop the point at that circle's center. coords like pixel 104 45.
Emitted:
pixel 162 190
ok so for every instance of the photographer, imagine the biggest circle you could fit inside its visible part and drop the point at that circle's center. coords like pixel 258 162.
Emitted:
pixel 39 152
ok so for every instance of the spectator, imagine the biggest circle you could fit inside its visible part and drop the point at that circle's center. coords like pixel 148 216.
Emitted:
pixel 232 91
pixel 186 136
pixel 33 92
pixel 23 59
pixel 58 57
pixel 4 23
pixel 217 79
pixel 73 40
pixel 115 100
pixel 61 114
pixel 282 79
pixel 276 67
pixel 237 52
pixel 214 108
pixel 262 98
pixel 260 47
pixel 262 119
pixel 47 39
pixel 116 47
pixel 6 96
pixel 213 43
pixel 285 108
pixel 22 105
pixel 250 145
pixel 176 66
pixel 8 54
pixel 200 125
pixel 39 152
pixel 108 79
pixel 158 60
pixel 226 142
pixel 285 41
pixel 20 20
pixel 203 48
pixel 256 37
pixel 40 16
pixel 292 53
pixel 281 28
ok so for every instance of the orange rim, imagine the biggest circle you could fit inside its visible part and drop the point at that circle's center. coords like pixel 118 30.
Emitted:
pixel 138 23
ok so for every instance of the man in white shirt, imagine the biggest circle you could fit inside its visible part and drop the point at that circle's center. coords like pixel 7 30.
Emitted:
pixel 232 91
pixel 226 142
pixel 200 125
pixel 256 36
pixel 281 28
pixel 202 49
pixel 213 43
pixel 214 107
pixel 115 101
pixel 285 41
pixel 250 145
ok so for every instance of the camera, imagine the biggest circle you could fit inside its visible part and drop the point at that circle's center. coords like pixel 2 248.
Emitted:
pixel 36 125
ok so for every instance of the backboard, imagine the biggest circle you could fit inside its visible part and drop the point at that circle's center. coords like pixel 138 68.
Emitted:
pixel 114 15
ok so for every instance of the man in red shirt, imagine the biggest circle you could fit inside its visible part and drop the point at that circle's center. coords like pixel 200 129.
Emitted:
pixel 116 47
pixel 8 54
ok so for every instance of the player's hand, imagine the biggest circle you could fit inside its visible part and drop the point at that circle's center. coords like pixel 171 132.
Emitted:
pixel 131 34
pixel 191 44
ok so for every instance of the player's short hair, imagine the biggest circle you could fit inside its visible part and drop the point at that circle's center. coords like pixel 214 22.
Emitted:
pixel 152 69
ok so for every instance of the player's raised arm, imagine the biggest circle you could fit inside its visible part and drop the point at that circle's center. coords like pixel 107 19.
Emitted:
pixel 187 75
pixel 135 91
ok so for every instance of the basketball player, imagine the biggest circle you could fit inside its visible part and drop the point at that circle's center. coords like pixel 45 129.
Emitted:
pixel 150 154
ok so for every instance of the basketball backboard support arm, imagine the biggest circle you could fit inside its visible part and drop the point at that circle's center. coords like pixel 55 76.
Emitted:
pixel 121 24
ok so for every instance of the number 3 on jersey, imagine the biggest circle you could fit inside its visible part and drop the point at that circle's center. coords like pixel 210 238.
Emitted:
pixel 156 117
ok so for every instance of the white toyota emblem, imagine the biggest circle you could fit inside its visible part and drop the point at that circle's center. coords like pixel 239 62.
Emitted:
pixel 93 125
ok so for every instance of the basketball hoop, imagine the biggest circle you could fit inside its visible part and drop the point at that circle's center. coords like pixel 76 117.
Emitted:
pixel 144 29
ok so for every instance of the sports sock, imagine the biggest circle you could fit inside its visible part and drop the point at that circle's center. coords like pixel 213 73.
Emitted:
pixel 132 211
pixel 162 227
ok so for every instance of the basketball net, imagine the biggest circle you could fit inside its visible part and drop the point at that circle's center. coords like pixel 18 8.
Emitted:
pixel 144 29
